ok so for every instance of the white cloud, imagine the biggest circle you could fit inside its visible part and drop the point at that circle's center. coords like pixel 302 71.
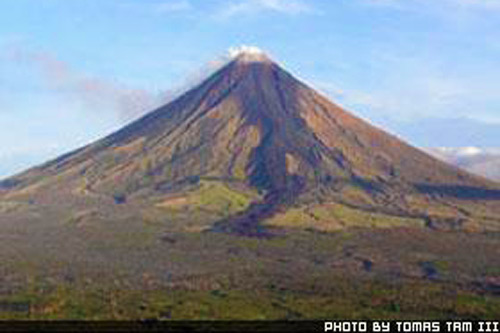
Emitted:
pixel 285 6
pixel 423 4
pixel 173 6
pixel 485 4
pixel 245 7
pixel 384 3
pixel 163 7
pixel 236 51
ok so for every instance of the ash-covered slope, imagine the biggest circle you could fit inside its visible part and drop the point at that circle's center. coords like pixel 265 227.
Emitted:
pixel 253 123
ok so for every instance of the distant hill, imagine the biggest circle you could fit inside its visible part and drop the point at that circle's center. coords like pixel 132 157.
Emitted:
pixel 481 161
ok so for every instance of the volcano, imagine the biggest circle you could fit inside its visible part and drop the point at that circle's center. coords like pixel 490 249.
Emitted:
pixel 249 147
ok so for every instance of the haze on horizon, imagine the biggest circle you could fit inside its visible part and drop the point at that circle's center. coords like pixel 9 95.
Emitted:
pixel 71 72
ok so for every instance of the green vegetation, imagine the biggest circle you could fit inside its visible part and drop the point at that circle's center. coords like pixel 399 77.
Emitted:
pixel 131 270
pixel 213 196
pixel 348 300
pixel 334 216
pixel 217 196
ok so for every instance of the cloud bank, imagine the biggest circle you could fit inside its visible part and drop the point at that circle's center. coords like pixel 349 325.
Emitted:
pixel 248 7
pixel 92 92
pixel 100 94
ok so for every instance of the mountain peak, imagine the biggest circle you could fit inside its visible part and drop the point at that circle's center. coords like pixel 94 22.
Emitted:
pixel 246 53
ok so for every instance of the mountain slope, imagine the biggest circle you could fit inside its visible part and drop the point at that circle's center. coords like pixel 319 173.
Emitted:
pixel 252 126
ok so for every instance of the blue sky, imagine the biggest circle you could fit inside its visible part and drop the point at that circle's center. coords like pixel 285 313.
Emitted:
pixel 72 71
